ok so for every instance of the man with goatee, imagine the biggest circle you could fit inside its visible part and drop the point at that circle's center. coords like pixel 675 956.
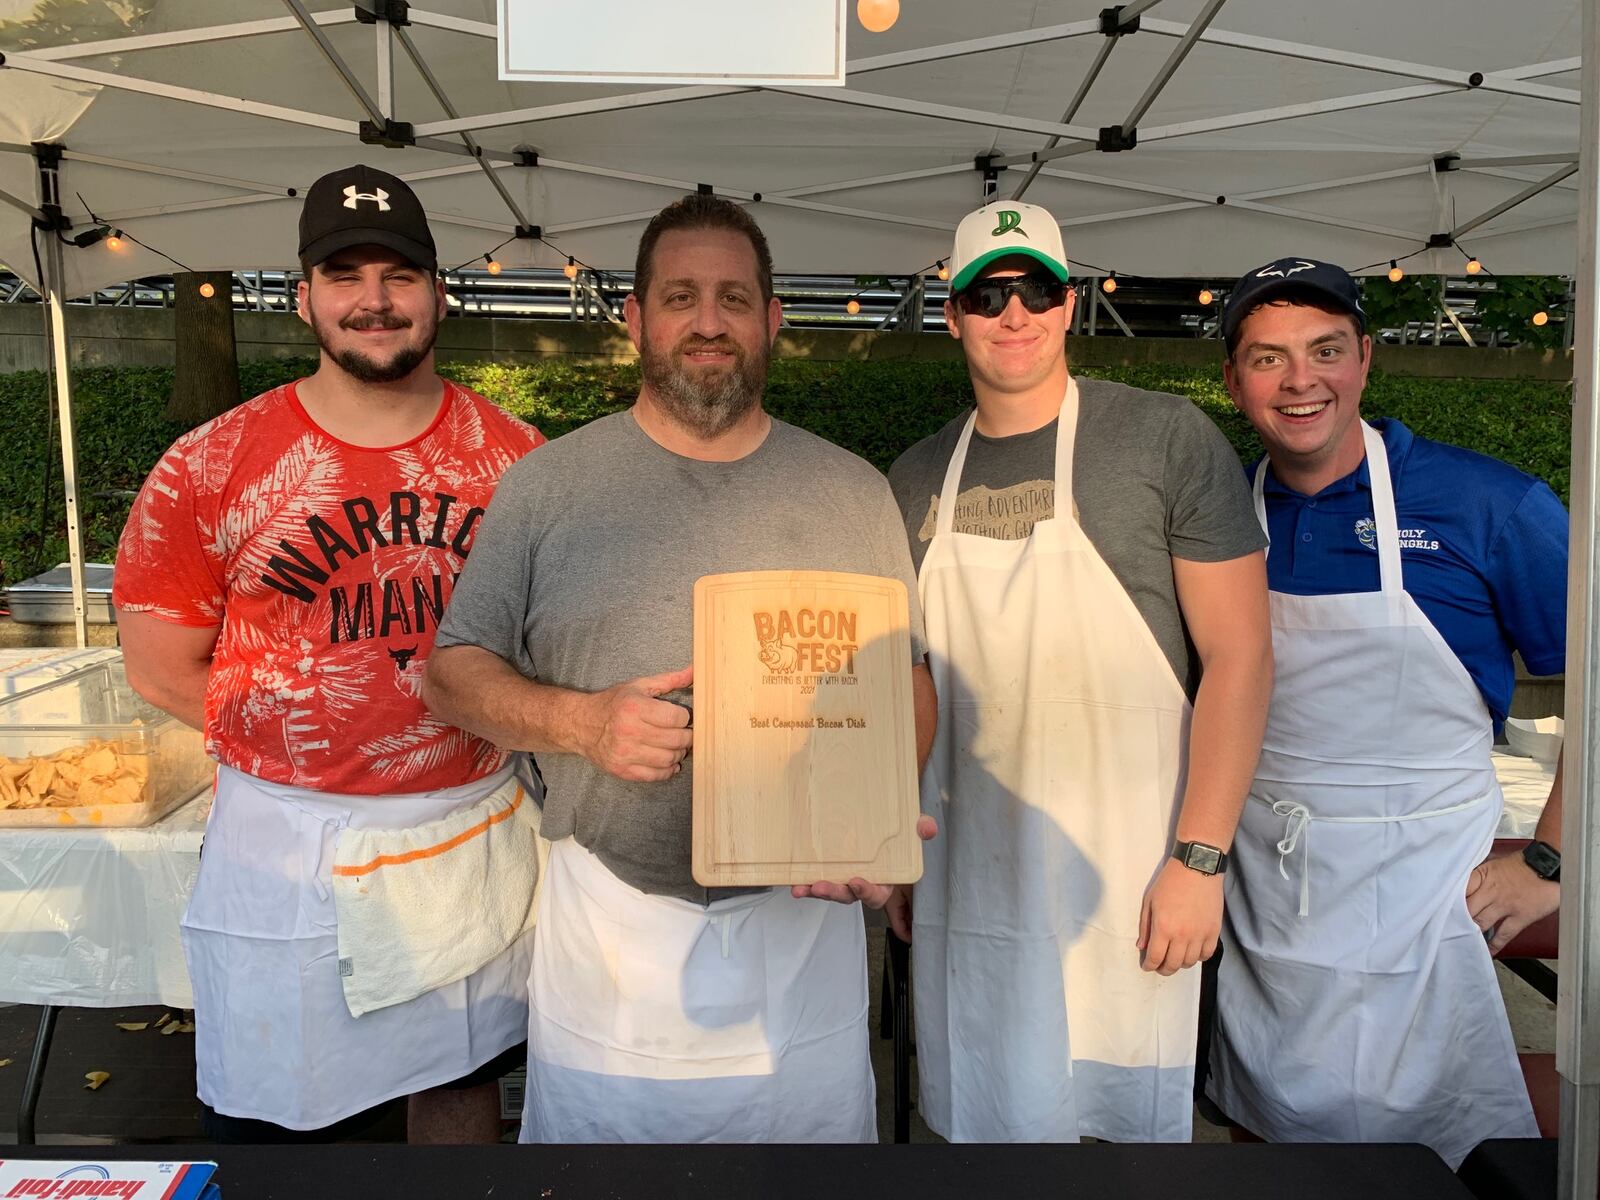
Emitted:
pixel 660 1010
pixel 279 584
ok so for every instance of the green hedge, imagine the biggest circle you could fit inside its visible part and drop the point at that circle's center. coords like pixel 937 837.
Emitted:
pixel 876 409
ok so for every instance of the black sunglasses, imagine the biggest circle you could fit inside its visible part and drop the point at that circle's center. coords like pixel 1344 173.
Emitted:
pixel 989 297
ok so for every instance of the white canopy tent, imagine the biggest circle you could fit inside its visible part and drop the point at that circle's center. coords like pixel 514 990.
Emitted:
pixel 1170 137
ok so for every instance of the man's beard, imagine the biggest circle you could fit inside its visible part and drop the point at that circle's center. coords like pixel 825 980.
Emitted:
pixel 367 369
pixel 708 406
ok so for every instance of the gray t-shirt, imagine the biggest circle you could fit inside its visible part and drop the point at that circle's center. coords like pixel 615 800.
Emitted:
pixel 1153 479
pixel 582 576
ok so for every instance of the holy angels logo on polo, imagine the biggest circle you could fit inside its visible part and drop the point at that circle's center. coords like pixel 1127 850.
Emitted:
pixel 378 196
pixel 1366 531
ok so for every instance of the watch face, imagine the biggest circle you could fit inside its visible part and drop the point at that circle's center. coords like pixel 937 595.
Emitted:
pixel 1544 860
pixel 1203 858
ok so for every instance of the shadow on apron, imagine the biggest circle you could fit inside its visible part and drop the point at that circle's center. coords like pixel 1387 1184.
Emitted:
pixel 652 1019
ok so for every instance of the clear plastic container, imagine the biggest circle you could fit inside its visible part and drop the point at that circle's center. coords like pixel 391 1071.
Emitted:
pixel 71 726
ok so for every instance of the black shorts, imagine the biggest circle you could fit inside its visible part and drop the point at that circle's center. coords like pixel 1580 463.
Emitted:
pixel 247 1131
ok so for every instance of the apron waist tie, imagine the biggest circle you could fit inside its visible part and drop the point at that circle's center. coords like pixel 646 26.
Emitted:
pixel 1296 829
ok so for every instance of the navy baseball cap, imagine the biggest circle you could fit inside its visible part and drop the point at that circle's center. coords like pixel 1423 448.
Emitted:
pixel 363 206
pixel 1302 275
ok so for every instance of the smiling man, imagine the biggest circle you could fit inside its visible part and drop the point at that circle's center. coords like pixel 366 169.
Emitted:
pixel 1096 604
pixel 1356 998
pixel 278 585
pixel 660 1010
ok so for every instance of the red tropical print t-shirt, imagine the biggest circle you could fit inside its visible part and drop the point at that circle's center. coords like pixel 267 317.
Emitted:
pixel 328 567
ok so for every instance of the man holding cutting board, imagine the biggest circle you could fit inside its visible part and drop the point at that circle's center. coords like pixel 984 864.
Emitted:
pixel 665 1010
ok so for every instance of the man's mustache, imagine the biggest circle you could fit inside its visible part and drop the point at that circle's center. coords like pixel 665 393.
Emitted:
pixel 376 321
pixel 695 343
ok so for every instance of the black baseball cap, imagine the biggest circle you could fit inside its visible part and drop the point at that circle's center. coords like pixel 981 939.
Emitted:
pixel 1303 275
pixel 363 206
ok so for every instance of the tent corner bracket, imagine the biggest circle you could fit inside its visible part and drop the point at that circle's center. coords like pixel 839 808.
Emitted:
pixel 395 12
pixel 396 135
pixel 1112 25
pixel 1114 139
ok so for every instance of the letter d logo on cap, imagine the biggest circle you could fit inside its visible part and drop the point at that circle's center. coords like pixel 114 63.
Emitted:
pixel 1010 219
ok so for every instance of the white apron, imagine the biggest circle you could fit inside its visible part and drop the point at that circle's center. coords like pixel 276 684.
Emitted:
pixel 652 1019
pixel 274 1036
pixel 1055 778
pixel 1356 999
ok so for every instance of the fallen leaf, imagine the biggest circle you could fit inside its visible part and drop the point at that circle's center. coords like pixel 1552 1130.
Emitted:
pixel 163 1019
pixel 170 1028
pixel 95 1078
pixel 186 1027
pixel 5 1062
pixel 133 1026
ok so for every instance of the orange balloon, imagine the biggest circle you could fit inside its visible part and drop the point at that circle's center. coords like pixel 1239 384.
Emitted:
pixel 877 15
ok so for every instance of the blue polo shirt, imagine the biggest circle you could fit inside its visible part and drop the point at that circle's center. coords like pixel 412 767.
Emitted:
pixel 1483 549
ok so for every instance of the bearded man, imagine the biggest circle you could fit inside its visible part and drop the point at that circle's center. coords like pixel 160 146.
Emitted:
pixel 660 1010
pixel 279 585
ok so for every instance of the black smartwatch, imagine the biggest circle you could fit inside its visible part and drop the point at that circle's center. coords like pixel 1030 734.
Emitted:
pixel 1208 860
pixel 1544 860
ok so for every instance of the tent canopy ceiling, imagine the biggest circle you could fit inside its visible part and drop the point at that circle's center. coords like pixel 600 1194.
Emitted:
pixel 1319 124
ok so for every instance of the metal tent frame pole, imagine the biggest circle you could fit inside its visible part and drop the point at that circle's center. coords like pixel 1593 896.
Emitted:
pixel 53 265
pixel 1578 995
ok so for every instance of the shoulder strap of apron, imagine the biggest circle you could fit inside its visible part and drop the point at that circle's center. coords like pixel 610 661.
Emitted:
pixel 1388 527
pixel 1066 439
pixel 1383 510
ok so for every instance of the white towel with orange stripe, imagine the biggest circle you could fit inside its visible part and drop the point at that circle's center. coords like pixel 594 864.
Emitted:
pixel 423 907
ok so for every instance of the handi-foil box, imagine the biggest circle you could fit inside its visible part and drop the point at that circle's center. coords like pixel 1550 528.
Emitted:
pixel 87 751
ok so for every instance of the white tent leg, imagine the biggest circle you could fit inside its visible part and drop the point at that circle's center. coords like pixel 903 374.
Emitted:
pixel 69 447
pixel 1578 1002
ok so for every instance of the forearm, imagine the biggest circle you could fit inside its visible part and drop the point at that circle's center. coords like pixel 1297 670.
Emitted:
pixel 1549 828
pixel 178 688
pixel 925 704
pixel 477 690
pixel 1230 715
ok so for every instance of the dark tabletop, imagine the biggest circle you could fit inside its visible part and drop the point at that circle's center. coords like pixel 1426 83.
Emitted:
pixel 1182 1172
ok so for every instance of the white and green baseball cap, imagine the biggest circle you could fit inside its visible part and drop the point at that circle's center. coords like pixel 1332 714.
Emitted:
pixel 1001 228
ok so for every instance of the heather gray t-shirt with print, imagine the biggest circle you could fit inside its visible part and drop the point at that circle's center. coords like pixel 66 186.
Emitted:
pixel 582 576
pixel 1153 479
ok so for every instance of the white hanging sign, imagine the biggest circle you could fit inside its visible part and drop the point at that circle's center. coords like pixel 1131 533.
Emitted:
pixel 754 42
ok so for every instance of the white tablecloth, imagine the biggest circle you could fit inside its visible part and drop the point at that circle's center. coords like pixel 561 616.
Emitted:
pixel 89 917
pixel 1526 784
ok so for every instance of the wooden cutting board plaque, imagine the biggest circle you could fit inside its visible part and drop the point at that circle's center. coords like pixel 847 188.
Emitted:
pixel 804 740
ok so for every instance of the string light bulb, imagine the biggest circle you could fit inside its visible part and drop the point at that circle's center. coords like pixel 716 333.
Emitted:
pixel 1395 273
pixel 1205 296
pixel 944 271
pixel 115 241
pixel 877 15
pixel 1541 317
pixel 1109 283
pixel 494 268
pixel 571 269
pixel 1473 266
pixel 207 290
pixel 852 306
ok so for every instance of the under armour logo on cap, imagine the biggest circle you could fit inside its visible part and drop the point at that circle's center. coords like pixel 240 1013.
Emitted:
pixel 1010 222
pixel 378 196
